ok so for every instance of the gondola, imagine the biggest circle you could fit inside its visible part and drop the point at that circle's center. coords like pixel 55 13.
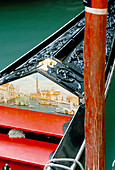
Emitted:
pixel 60 59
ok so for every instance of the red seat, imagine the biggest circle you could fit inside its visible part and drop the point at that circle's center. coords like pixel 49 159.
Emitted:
pixel 32 121
pixel 24 153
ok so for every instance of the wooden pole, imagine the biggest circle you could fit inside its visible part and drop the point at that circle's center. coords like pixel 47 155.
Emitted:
pixel 94 83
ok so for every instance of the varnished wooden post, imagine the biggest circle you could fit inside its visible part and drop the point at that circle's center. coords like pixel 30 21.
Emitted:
pixel 94 83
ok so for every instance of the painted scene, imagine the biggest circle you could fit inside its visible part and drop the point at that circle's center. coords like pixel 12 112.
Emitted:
pixel 36 92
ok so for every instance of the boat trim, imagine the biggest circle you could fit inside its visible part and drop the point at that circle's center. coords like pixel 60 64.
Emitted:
pixel 96 11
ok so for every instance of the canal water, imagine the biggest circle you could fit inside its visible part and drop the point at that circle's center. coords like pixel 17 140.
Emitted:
pixel 25 23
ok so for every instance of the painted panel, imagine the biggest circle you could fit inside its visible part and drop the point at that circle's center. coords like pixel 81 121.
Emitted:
pixel 36 92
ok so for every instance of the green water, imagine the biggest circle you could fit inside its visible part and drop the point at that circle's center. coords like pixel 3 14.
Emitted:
pixel 24 24
pixel 110 126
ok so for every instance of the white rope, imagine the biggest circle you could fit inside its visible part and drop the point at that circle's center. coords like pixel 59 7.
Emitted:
pixel 55 164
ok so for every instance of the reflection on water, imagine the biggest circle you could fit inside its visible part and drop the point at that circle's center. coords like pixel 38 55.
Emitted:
pixel 25 23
